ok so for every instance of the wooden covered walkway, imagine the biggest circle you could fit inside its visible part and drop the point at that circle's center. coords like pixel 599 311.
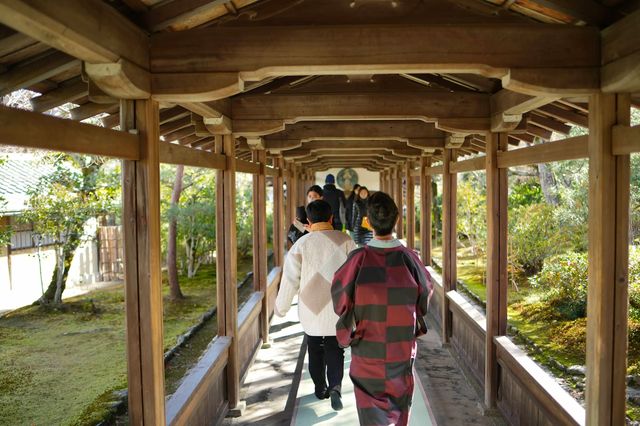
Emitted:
pixel 283 89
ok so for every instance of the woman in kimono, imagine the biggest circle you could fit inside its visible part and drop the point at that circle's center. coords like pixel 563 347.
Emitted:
pixel 381 294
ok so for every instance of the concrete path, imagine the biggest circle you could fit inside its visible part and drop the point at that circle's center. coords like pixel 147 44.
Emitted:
pixel 278 382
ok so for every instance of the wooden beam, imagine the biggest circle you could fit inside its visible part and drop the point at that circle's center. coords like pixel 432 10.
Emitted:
pixel 34 130
pixel 565 116
pixel 567 149
pixel 179 134
pixel 416 106
pixel 539 131
pixel 621 55
pixel 336 130
pixel 254 54
pixel 287 146
pixel 177 124
pixel 90 30
pixel 141 230
pixel 68 91
pixel 549 124
pixel 243 166
pixel 28 74
pixel 171 153
pixel 122 79
pixel 259 156
pixel 497 283
pixel 472 164
pixel 226 266
pixel 607 298
pixel 434 170
pixel 626 139
pixel 426 196
pixel 91 109
pixel 173 113
pixel 185 14
pixel 449 239
pixel 508 107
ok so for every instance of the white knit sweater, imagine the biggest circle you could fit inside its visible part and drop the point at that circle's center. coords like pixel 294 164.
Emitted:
pixel 308 271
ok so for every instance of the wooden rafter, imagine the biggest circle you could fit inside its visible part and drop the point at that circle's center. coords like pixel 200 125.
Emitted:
pixel 35 71
pixel 89 30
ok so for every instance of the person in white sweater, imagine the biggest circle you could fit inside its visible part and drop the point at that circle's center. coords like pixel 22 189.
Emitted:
pixel 308 272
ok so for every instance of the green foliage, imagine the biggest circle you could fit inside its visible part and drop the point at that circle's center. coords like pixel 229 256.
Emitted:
pixel 634 283
pixel 471 206
pixel 534 235
pixel 563 282
pixel 244 213
pixel 525 194
pixel 195 215
pixel 573 212
pixel 634 218
pixel 67 198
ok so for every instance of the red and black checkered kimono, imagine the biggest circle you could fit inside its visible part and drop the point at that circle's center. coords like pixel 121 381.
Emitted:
pixel 378 294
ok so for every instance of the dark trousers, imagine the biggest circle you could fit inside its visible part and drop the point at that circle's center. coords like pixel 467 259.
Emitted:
pixel 326 361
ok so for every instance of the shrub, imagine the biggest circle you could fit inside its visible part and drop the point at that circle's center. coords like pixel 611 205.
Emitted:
pixel 634 282
pixel 563 281
pixel 534 236
pixel 525 194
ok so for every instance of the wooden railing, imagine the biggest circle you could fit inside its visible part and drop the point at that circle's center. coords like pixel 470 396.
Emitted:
pixel 202 396
pixel 527 395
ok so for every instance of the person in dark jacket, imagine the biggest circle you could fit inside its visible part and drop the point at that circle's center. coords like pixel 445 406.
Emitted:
pixel 350 200
pixel 361 234
pixel 300 225
pixel 336 200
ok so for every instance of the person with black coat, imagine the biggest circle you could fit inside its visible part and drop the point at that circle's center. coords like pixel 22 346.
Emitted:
pixel 362 234
pixel 350 200
pixel 299 226
pixel 336 200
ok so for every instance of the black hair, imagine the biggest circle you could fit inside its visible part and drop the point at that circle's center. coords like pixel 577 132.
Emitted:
pixel 366 189
pixel 318 211
pixel 382 213
pixel 315 188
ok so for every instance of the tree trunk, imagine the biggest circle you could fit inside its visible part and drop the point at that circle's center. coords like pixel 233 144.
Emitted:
pixel 548 184
pixel 53 294
pixel 175 292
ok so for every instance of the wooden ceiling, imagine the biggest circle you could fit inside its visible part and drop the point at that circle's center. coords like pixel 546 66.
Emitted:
pixel 367 111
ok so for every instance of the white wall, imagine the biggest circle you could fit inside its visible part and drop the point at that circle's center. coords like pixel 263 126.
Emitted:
pixel 365 178
pixel 25 285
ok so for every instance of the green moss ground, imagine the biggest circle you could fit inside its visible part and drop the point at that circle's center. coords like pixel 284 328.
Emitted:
pixel 61 366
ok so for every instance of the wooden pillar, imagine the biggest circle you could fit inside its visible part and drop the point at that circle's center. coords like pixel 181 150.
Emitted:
pixel 496 261
pixel 381 180
pixel 425 211
pixel 143 285
pixel 278 213
pixel 397 194
pixel 449 239
pixel 607 311
pixel 288 219
pixel 226 267
pixel 411 212
pixel 292 193
pixel 260 239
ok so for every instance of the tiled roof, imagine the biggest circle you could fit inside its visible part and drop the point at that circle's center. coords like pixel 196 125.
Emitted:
pixel 18 173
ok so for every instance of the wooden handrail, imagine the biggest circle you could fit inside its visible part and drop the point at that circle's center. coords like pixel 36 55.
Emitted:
pixel 468 312
pixel 211 364
pixel 249 312
pixel 546 391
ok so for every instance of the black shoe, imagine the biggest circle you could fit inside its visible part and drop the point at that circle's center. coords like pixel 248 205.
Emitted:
pixel 321 393
pixel 336 400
